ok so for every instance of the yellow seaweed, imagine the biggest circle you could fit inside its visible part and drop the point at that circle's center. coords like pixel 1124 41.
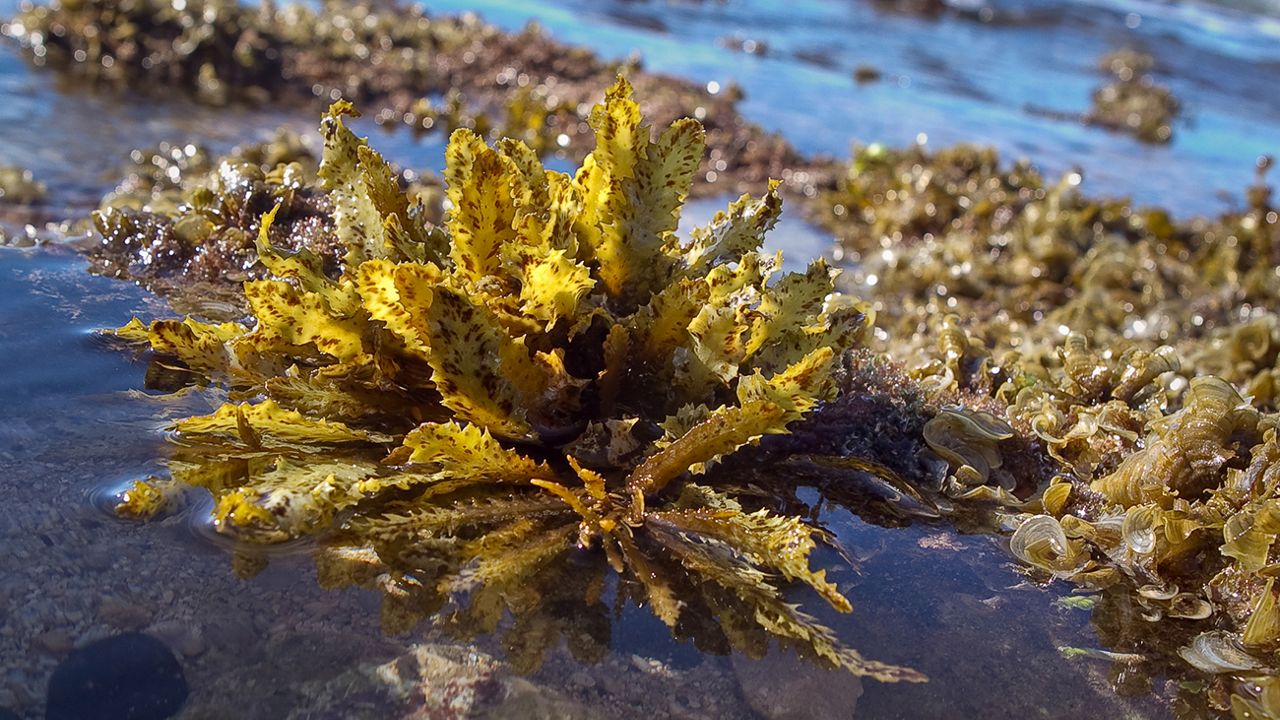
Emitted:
pixel 471 411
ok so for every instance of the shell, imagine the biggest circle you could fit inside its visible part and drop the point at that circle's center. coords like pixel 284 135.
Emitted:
pixel 967 441
pixel 1189 606
pixel 1219 652
pixel 1041 541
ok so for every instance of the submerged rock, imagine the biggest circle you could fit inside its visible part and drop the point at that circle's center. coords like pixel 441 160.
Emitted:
pixel 428 681
pixel 781 686
pixel 125 677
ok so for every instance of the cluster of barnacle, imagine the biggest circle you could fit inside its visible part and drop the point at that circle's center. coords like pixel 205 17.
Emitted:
pixel 467 414
pixel 1132 101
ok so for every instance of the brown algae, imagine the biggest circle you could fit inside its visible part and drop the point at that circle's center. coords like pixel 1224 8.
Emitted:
pixel 1137 352
pixel 362 416
pixel 1133 102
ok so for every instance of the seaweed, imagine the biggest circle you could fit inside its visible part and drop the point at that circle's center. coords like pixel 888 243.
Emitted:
pixel 425 72
pixel 1132 101
pixel 1132 359
pixel 1001 281
pixel 475 405
pixel 1103 372
pixel 185 222
pixel 18 186
pixel 888 198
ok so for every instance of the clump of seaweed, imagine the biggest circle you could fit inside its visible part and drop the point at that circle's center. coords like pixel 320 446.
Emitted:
pixel 428 73
pixel 1136 353
pixel 475 405
pixel 902 197
pixel 1184 524
pixel 18 186
pixel 179 212
pixel 1133 102
pixel 186 222
pixel 988 299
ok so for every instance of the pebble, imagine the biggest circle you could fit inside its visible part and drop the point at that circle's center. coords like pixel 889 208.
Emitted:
pixel 123 615
pixel 54 642
pixel 97 559
pixel 232 632
pixel 184 638
pixel 611 684
pixel 582 679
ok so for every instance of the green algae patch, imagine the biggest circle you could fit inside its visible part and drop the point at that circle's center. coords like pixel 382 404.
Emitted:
pixel 552 375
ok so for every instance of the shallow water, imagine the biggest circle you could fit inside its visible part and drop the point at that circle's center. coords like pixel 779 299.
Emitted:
pixel 948 604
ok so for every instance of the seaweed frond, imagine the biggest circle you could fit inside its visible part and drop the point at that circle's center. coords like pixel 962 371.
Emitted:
pixel 540 379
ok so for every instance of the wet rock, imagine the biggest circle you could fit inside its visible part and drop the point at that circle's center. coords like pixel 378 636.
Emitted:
pixel 54 642
pixel 429 681
pixel 783 687
pixel 523 699
pixel 125 677
pixel 864 74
